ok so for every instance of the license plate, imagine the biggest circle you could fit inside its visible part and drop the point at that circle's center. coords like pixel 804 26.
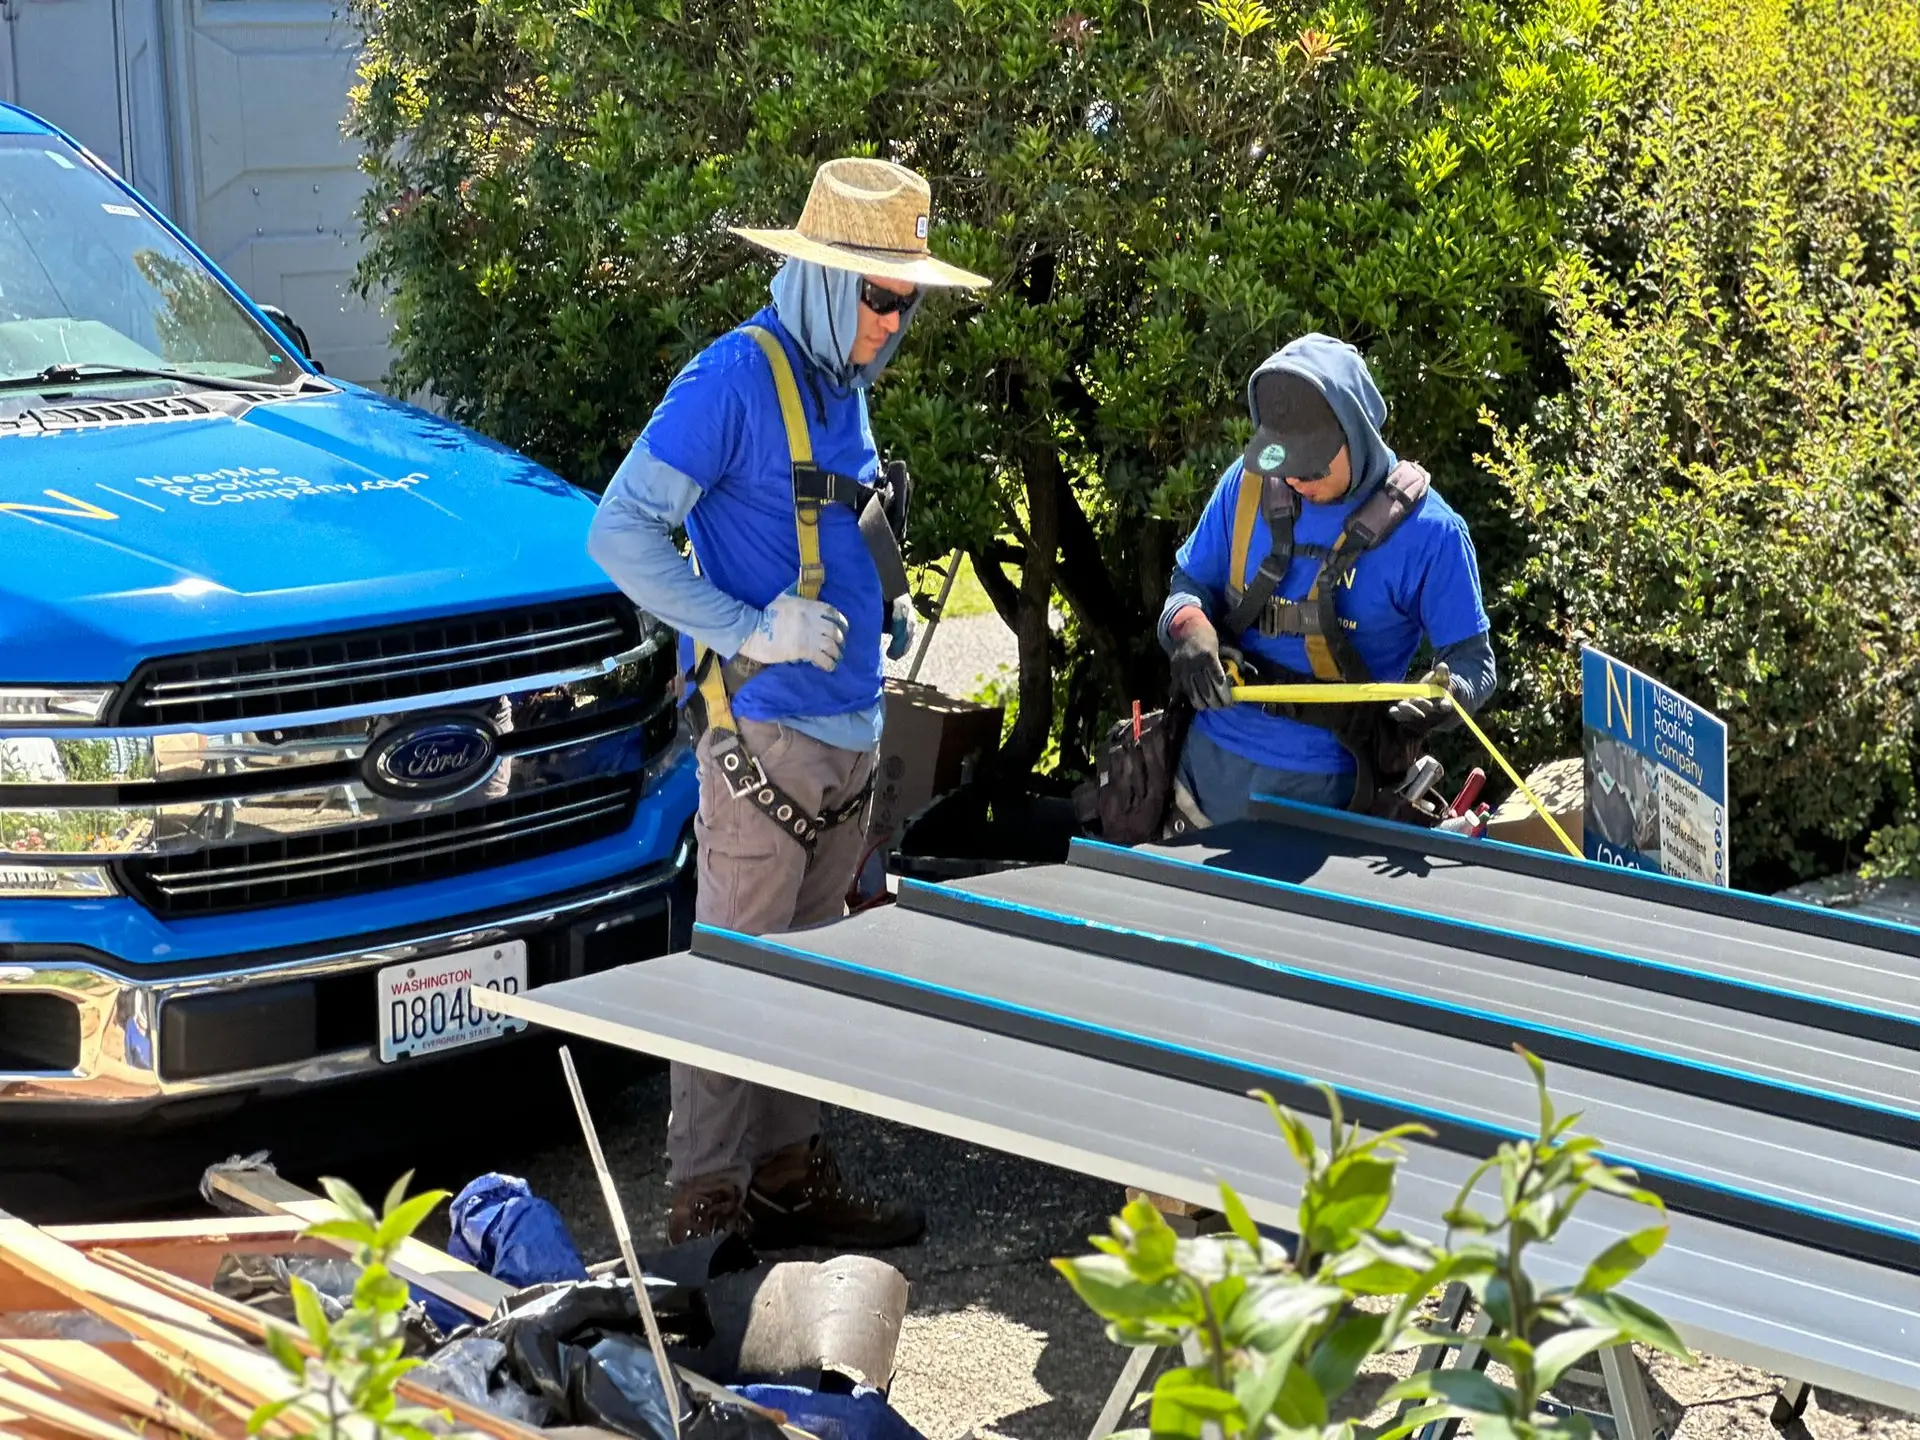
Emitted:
pixel 424 1006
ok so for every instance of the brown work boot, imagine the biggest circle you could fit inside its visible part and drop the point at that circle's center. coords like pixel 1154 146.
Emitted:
pixel 798 1199
pixel 704 1207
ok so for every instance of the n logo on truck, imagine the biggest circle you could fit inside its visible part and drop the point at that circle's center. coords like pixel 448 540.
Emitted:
pixel 435 757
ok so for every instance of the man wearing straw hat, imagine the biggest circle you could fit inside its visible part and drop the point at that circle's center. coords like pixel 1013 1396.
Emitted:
pixel 762 449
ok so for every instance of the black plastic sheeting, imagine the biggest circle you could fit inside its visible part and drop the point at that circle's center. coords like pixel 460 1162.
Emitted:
pixel 1757 1062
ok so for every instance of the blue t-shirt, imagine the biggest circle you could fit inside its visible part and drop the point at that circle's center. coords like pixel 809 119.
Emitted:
pixel 719 424
pixel 1424 582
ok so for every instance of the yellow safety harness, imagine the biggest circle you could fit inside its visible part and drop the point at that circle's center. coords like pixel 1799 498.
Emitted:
pixel 1383 691
pixel 813 487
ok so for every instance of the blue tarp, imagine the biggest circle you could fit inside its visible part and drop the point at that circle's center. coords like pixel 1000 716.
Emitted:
pixel 502 1227
pixel 862 1415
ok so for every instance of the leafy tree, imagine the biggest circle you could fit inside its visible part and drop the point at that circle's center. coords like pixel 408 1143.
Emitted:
pixel 1162 192
pixel 1726 496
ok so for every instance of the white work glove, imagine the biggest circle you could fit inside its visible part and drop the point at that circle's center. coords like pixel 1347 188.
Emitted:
pixel 899 635
pixel 793 628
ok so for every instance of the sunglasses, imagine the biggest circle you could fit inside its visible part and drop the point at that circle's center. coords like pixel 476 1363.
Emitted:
pixel 883 301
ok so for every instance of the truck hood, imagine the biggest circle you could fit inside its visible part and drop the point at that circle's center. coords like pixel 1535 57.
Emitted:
pixel 308 516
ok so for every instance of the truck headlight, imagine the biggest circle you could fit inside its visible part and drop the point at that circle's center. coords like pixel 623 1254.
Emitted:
pixel 24 705
pixel 55 882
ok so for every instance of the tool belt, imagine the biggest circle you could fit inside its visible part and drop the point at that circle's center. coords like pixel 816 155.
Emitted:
pixel 1384 752
pixel 711 708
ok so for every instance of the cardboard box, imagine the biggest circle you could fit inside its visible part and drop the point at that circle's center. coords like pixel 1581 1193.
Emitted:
pixel 928 738
pixel 1562 788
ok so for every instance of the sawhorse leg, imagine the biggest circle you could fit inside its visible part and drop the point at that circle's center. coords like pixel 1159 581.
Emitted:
pixel 1620 1373
pixel 1633 1417
pixel 1791 1403
pixel 1145 1360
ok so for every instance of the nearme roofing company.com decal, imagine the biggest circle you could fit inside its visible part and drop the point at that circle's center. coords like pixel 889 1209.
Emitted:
pixel 230 485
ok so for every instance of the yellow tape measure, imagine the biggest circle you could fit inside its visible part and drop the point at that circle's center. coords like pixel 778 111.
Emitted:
pixel 1318 694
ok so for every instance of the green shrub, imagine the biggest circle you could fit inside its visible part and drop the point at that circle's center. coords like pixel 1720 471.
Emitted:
pixel 1281 1338
pixel 1162 193
pixel 1726 496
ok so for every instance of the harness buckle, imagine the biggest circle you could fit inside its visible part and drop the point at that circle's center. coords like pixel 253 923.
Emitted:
pixel 741 771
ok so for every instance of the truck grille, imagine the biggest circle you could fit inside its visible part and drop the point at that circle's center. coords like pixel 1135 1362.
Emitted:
pixel 354 861
pixel 371 667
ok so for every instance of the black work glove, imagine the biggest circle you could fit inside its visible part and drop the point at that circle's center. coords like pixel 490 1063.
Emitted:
pixel 1429 712
pixel 1197 671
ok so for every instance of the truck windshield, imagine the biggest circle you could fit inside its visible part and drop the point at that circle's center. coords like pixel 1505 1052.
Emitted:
pixel 88 279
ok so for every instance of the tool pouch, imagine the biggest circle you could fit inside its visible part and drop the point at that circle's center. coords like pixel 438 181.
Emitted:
pixel 1386 752
pixel 1130 798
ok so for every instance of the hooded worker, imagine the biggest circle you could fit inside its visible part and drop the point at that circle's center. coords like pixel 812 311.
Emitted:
pixel 762 449
pixel 1321 556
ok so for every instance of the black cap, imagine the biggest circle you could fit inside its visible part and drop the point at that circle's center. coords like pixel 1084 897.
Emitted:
pixel 1296 433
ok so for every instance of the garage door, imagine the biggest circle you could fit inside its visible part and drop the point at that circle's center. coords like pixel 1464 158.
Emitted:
pixel 269 186
pixel 94 68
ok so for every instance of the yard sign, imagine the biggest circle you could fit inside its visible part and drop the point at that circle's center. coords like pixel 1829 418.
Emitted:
pixel 1656 775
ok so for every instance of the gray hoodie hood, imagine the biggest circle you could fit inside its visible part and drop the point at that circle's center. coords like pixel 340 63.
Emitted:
pixel 821 310
pixel 1340 373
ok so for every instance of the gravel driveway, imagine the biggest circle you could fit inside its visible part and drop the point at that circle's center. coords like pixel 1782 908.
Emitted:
pixel 964 655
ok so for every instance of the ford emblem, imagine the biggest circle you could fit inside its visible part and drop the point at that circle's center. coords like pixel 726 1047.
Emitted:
pixel 429 759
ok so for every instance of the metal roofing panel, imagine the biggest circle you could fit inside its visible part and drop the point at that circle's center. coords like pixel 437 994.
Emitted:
pixel 1863 1086
pixel 1838 1323
pixel 1859 1197
pixel 1840 986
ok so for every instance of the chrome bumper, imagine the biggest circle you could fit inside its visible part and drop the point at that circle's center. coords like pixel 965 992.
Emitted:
pixel 120 1015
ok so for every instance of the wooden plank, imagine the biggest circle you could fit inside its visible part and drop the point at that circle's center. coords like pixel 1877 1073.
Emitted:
pixel 215 1230
pixel 183 1373
pixel 141 1311
pixel 74 1363
pixel 56 1412
pixel 195 1248
pixel 256 1322
pixel 434 1271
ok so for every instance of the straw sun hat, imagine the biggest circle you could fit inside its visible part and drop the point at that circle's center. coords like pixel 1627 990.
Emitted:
pixel 869 216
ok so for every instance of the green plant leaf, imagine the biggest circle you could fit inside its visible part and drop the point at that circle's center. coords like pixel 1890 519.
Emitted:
pixel 1338 1358
pixel 308 1311
pixel 1622 1258
pixel 1301 1403
pixel 283 1348
pixel 1354 1196
pixel 1112 1291
pixel 1238 1218
pixel 1275 1308
pixel 396 1194
pixel 348 1199
pixel 1553 1356
pixel 1633 1320
pixel 1298 1137
pixel 351 1232
pixel 266 1414
pixel 401 1222
pixel 1468 1390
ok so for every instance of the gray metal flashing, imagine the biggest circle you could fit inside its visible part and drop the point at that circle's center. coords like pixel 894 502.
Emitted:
pixel 1842 1324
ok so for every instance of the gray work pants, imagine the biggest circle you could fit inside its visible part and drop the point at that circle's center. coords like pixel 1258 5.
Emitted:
pixel 756 880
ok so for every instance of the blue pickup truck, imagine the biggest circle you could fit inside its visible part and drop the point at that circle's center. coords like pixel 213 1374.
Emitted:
pixel 314 714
